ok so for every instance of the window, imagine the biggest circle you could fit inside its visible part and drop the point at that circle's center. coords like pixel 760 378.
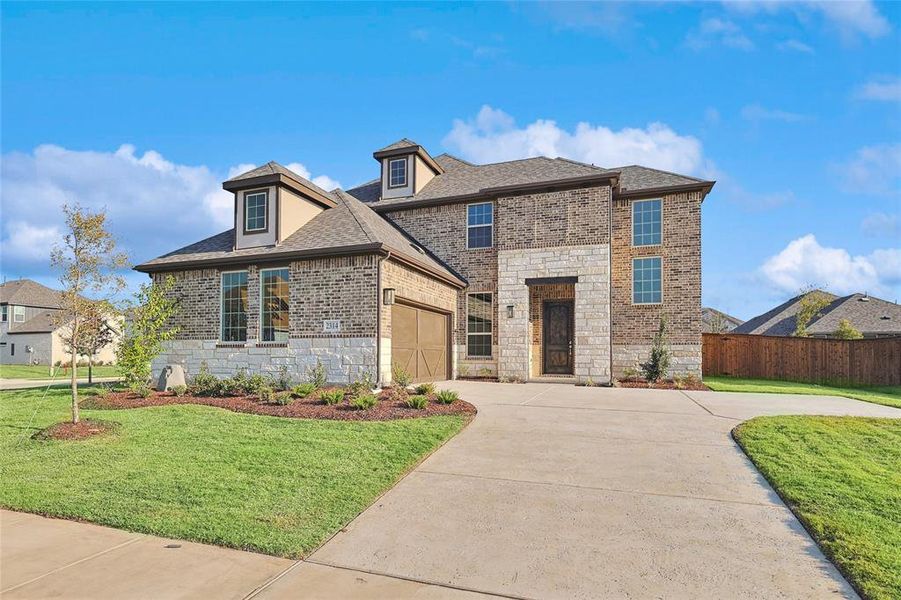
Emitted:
pixel 274 297
pixel 4 314
pixel 19 314
pixel 12 349
pixel 646 223
pixel 480 225
pixel 646 281
pixel 234 306
pixel 397 172
pixel 479 325
pixel 255 211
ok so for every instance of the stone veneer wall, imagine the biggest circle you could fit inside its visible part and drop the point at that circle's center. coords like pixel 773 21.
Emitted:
pixel 343 288
pixel 680 252
pixel 592 317
pixel 413 286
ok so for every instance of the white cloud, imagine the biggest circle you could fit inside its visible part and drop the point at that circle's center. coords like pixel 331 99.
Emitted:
pixel 874 170
pixel 757 113
pixel 879 224
pixel 493 136
pixel 795 45
pixel 805 262
pixel 850 17
pixel 153 205
pixel 323 181
pixel 718 31
pixel 885 89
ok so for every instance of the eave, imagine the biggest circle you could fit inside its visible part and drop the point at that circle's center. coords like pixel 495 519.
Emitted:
pixel 280 179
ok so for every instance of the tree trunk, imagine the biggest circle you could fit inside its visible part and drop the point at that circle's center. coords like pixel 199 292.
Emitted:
pixel 74 374
pixel 90 369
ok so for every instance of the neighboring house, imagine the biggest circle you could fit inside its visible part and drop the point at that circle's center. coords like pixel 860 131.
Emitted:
pixel 29 328
pixel 715 321
pixel 871 316
pixel 529 269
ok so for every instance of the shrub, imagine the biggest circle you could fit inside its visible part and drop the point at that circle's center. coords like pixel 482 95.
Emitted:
pixel 400 375
pixel 303 390
pixel 394 393
pixel 846 331
pixel 630 373
pixel 148 328
pixel 256 383
pixel 364 401
pixel 332 397
pixel 686 381
pixel 425 389
pixel 283 398
pixel 144 391
pixel 205 383
pixel 179 390
pixel 447 396
pixel 316 375
pixel 283 380
pixel 265 394
pixel 417 402
pixel 658 362
pixel 363 385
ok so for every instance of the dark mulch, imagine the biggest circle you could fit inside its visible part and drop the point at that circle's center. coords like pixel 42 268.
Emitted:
pixel 387 408
pixel 85 428
pixel 667 384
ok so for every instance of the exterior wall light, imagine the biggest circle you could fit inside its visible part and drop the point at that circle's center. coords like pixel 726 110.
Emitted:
pixel 388 296
pixel 509 311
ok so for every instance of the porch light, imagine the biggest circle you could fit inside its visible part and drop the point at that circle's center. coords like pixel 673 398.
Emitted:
pixel 388 296
pixel 509 311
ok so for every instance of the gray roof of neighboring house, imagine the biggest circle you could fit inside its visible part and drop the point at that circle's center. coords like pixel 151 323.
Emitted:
pixel 42 323
pixel 708 314
pixel 865 313
pixel 461 178
pixel 25 292
pixel 349 226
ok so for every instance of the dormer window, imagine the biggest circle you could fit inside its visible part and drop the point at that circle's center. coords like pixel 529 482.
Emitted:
pixel 397 172
pixel 255 211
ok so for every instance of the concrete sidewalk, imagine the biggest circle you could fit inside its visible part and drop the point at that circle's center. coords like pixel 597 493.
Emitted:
pixel 24 384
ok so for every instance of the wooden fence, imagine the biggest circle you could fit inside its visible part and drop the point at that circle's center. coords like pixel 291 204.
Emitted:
pixel 816 360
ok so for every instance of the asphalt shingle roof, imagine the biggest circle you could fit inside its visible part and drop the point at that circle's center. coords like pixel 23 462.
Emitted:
pixel 273 168
pixel 401 143
pixel 41 323
pixel 25 292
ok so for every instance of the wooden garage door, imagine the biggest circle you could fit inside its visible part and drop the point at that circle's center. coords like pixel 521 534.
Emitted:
pixel 419 342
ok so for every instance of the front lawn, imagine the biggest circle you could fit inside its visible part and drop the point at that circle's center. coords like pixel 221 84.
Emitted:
pixel 842 477
pixel 43 372
pixel 274 485
pixel 889 395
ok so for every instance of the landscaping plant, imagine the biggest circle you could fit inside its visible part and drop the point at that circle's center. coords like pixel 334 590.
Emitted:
pixel 810 307
pixel 179 390
pixel 658 363
pixel 142 340
pixel 88 262
pixel 400 375
pixel 265 394
pixel 846 331
pixel 364 401
pixel 425 389
pixel 316 375
pixel 446 396
pixel 205 383
pixel 283 398
pixel 418 402
pixel 332 397
pixel 303 390
pixel 283 381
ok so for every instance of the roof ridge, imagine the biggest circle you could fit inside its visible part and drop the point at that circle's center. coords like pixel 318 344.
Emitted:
pixel 370 235
pixel 698 179
pixel 584 164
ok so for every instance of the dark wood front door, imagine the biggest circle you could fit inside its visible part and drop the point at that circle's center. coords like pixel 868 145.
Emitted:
pixel 557 337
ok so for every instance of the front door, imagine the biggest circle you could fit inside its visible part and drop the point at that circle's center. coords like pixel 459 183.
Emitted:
pixel 558 337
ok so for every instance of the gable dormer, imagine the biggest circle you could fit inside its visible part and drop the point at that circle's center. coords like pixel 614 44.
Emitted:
pixel 406 168
pixel 271 203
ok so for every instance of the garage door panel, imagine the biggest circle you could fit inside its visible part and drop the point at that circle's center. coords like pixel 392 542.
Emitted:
pixel 419 342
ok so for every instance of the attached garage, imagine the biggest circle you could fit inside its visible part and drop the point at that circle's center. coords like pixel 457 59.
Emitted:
pixel 420 342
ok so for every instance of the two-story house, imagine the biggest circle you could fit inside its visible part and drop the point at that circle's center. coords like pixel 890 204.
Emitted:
pixel 532 269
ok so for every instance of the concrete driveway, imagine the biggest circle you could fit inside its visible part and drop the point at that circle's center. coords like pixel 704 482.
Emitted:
pixel 552 492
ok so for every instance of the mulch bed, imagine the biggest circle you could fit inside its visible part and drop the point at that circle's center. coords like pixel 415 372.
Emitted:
pixel 668 384
pixel 311 407
pixel 85 428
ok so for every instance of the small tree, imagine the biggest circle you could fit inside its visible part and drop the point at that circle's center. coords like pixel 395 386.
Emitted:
pixel 810 307
pixel 95 333
pixel 717 323
pixel 145 331
pixel 658 363
pixel 846 331
pixel 88 263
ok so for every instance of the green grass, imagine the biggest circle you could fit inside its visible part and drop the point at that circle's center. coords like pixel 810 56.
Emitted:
pixel 43 372
pixel 842 477
pixel 274 485
pixel 889 395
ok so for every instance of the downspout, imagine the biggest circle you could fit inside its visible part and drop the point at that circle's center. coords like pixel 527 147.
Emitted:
pixel 610 281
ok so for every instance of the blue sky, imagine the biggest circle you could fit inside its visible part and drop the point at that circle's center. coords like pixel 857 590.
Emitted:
pixel 794 107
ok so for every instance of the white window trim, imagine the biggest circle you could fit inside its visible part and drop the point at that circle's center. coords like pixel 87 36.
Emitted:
pixel 222 298
pixel 634 204
pixel 632 287
pixel 265 195
pixel 406 172
pixel 490 355
pixel 468 227
pixel 17 312
pixel 260 338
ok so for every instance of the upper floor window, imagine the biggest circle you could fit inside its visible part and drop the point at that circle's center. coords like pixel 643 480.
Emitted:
pixel 255 211
pixel 480 225
pixel 479 325
pixel 19 314
pixel 4 314
pixel 646 280
pixel 646 222
pixel 234 306
pixel 274 298
pixel 397 172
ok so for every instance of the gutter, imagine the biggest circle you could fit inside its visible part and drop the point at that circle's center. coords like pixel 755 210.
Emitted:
pixel 701 186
